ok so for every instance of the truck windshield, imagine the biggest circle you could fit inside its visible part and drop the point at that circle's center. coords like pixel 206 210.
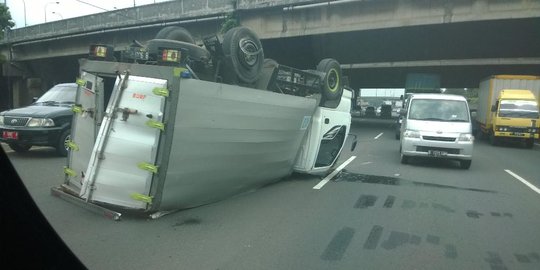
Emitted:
pixel 439 110
pixel 58 95
pixel 518 109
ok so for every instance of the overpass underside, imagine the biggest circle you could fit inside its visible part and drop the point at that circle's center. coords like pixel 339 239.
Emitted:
pixel 462 53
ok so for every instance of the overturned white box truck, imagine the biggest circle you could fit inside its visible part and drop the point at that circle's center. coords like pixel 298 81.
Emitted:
pixel 173 125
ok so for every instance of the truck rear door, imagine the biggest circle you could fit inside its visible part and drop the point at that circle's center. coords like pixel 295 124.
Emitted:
pixel 84 127
pixel 122 165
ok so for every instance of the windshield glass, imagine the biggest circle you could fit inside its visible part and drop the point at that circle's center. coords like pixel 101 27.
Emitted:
pixel 518 109
pixel 439 110
pixel 59 94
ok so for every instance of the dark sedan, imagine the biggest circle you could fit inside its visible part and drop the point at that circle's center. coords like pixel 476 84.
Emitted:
pixel 46 122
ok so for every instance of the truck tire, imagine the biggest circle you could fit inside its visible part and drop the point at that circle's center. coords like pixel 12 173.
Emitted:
pixel 529 143
pixel 244 56
pixel 19 147
pixel 61 148
pixel 332 83
pixel 493 140
pixel 465 164
pixel 175 33
pixel 195 52
pixel 479 134
pixel 269 65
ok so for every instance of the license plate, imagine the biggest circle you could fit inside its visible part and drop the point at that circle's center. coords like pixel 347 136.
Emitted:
pixel 13 135
pixel 437 153
pixel 518 134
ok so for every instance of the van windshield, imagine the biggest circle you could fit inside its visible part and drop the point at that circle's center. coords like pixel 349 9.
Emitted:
pixel 439 110
pixel 518 109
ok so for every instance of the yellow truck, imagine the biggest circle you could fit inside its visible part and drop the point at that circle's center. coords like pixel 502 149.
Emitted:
pixel 508 109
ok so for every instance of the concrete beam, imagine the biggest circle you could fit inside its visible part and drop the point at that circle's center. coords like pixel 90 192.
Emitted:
pixel 346 15
pixel 446 63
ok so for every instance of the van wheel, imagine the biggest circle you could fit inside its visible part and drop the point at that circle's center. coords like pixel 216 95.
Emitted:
pixel 465 164
pixel 332 84
pixel 175 33
pixel 61 147
pixel 19 147
pixel 404 159
pixel 244 56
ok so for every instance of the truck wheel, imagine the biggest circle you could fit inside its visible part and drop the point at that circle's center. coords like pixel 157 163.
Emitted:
pixel 195 52
pixel 493 140
pixel 61 148
pixel 244 55
pixel 529 143
pixel 19 147
pixel 175 33
pixel 479 134
pixel 332 84
pixel 465 164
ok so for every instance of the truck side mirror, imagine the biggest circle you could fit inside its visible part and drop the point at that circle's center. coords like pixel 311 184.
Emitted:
pixel 355 138
pixel 402 112
pixel 494 107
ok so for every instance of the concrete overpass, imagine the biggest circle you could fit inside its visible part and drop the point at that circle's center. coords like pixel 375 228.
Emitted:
pixel 378 42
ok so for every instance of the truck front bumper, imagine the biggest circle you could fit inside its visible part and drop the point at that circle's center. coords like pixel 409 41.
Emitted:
pixel 516 135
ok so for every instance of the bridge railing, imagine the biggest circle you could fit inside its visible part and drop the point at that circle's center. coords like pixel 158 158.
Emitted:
pixel 148 14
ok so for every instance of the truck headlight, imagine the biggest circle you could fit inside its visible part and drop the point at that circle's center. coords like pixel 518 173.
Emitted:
pixel 40 122
pixel 466 137
pixel 533 130
pixel 411 134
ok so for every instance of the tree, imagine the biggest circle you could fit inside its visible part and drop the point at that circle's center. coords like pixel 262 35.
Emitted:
pixel 6 22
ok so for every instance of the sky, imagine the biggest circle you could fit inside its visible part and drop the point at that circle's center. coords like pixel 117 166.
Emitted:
pixel 37 11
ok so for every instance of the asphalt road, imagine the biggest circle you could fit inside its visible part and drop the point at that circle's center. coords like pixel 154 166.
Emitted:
pixel 376 214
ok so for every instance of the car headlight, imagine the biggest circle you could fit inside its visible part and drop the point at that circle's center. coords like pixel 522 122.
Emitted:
pixel 466 137
pixel 40 122
pixel 1 120
pixel 411 134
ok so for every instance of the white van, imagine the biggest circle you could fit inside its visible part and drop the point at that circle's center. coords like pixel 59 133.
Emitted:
pixel 438 126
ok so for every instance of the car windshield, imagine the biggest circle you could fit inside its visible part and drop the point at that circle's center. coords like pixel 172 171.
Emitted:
pixel 518 109
pixel 439 110
pixel 58 95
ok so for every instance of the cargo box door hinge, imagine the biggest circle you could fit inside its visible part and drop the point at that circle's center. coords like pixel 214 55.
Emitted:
pixel 72 145
pixel 69 172
pixel 141 197
pixel 148 167
pixel 155 124
pixel 163 92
